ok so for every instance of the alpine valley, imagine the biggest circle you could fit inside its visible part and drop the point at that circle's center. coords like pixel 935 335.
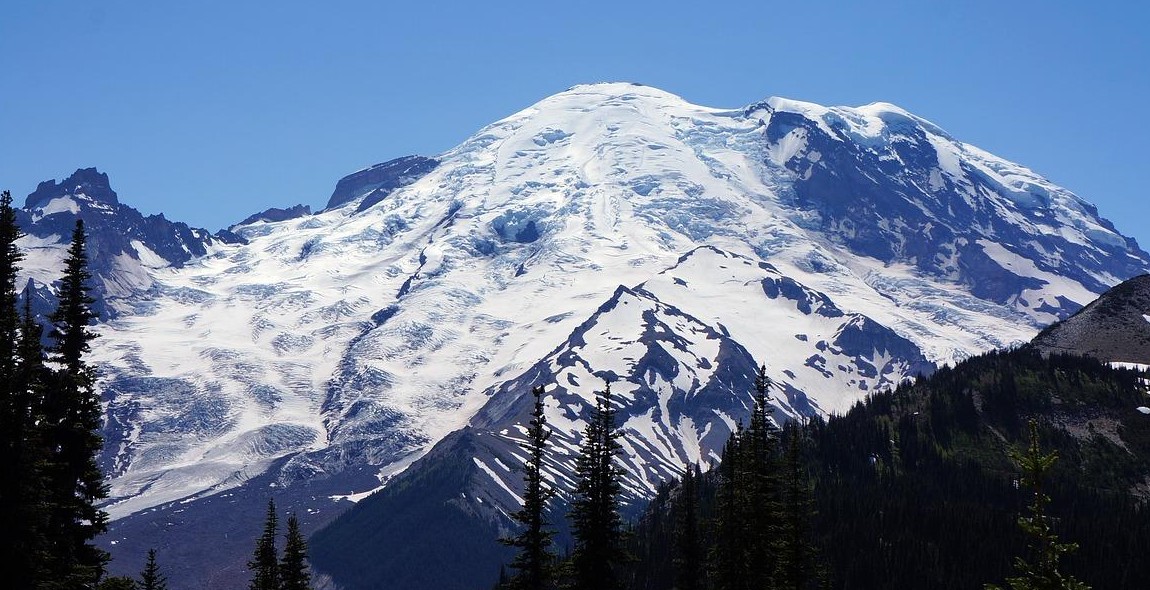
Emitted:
pixel 612 232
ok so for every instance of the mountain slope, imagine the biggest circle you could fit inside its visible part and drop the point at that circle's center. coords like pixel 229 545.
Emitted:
pixel 1115 327
pixel 614 231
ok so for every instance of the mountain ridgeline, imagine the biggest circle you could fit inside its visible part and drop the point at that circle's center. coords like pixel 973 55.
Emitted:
pixel 390 341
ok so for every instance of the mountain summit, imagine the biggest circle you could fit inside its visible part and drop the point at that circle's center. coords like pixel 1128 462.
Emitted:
pixel 610 232
pixel 86 182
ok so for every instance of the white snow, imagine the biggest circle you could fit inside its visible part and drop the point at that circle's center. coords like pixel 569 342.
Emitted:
pixel 147 257
pixel 59 205
pixel 498 480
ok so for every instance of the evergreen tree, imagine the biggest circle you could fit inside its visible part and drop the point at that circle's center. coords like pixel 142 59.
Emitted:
pixel 10 258
pixel 117 583
pixel 690 562
pixel 747 514
pixel 798 561
pixel 25 483
pixel 21 487
pixel 293 571
pixel 759 502
pixel 536 559
pixel 596 524
pixel 264 564
pixel 72 418
pixel 151 578
pixel 729 558
pixel 10 423
pixel 1044 545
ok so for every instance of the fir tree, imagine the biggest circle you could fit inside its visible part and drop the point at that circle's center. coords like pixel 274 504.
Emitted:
pixel 10 258
pixel 117 583
pixel 151 578
pixel 536 559
pixel 596 524
pixel 747 514
pixel 26 479
pixel 689 562
pixel 1044 546
pixel 729 558
pixel 759 501
pixel 293 571
pixel 23 507
pixel 264 564
pixel 798 559
pixel 72 417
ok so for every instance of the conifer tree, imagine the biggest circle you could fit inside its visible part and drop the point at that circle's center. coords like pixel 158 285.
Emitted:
pixel 293 570
pixel 760 500
pixel 151 578
pixel 745 552
pixel 22 504
pixel 1044 545
pixel 10 257
pixel 9 267
pixel 729 558
pixel 264 564
pixel 689 562
pixel 72 417
pixel 798 567
pixel 595 519
pixel 26 503
pixel 535 561
pixel 117 583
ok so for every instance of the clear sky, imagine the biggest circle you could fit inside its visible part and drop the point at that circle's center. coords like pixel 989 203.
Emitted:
pixel 209 111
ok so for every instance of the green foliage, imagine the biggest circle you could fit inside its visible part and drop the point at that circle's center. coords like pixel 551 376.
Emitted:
pixel 1043 573
pixel 596 523
pixel 535 561
pixel 151 578
pixel 914 488
pixel 797 561
pixel 117 583
pixel 293 570
pixel 748 516
pixel 23 448
pixel 690 554
pixel 49 422
pixel 264 564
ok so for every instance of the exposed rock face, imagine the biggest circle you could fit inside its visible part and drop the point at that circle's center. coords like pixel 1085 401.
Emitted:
pixel 378 181
pixel 1115 327
pixel 275 214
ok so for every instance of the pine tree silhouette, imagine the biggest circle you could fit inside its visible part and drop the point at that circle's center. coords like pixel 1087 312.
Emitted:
pixel 535 561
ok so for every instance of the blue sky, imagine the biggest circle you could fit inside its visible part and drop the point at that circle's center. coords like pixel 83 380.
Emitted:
pixel 210 111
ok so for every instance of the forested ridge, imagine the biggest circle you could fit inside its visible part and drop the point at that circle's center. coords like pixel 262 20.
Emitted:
pixel 915 488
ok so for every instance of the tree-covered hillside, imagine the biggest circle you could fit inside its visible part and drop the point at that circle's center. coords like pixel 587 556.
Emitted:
pixel 915 488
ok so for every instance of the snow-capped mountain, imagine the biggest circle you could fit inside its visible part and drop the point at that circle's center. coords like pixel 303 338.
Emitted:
pixel 124 247
pixel 609 231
